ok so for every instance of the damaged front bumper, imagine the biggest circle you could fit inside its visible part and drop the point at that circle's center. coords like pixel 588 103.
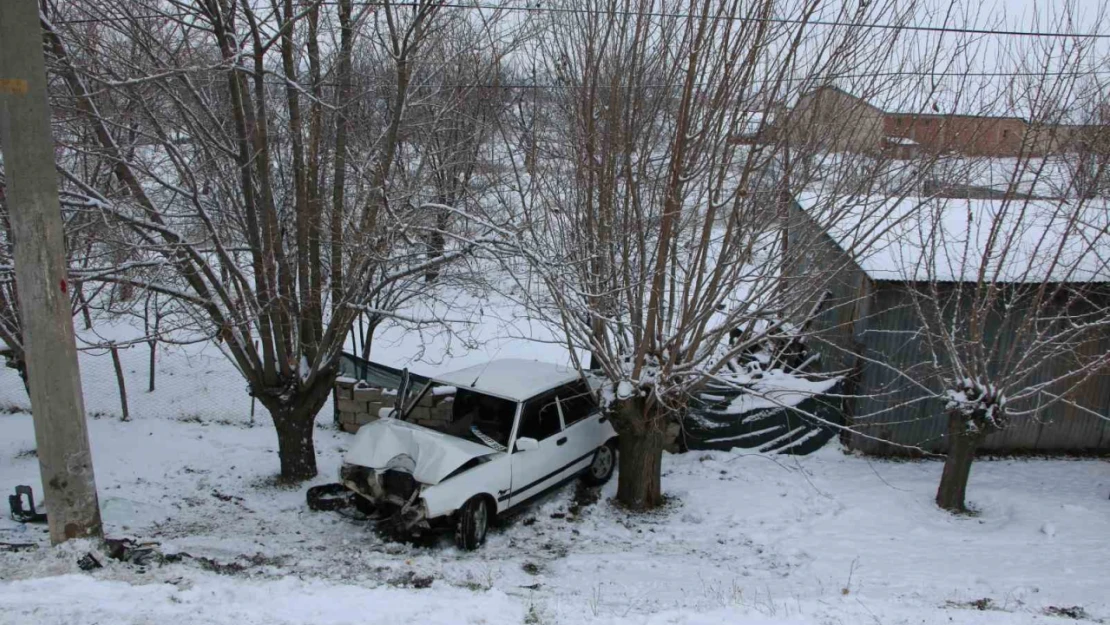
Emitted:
pixel 394 497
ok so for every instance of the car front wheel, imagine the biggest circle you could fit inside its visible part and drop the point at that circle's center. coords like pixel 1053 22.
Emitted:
pixel 601 469
pixel 473 523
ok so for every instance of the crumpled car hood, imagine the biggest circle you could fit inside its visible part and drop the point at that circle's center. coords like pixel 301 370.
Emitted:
pixel 436 454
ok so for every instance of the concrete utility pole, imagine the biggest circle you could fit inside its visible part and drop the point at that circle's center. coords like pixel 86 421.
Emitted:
pixel 61 434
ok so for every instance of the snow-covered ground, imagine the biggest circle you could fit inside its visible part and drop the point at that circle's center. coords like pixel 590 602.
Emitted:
pixel 746 538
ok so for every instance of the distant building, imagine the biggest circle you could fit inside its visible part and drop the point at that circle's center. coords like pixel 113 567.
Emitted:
pixel 833 120
pixel 830 119
pixel 969 135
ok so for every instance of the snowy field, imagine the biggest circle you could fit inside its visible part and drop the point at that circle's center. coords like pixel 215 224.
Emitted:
pixel 746 538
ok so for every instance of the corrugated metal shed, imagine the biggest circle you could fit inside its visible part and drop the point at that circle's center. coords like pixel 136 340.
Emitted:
pixel 871 330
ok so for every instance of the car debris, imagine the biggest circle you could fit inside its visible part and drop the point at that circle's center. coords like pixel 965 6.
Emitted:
pixel 89 562
pixel 28 514
pixel 328 497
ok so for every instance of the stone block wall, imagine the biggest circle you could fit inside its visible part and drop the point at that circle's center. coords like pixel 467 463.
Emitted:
pixel 433 410
pixel 358 404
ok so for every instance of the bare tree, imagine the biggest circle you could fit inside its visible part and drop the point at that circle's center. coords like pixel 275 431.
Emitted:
pixel 224 184
pixel 656 235
pixel 1011 309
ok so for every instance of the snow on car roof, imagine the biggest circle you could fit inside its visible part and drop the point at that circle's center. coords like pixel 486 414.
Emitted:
pixel 511 378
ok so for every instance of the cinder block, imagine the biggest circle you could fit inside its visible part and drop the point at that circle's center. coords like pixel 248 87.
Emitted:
pixel 670 437
pixel 427 401
pixel 363 418
pixel 342 392
pixel 419 413
pixel 367 394
pixel 350 405
pixel 350 428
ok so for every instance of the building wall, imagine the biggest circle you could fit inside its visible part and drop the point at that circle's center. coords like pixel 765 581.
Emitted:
pixel 832 120
pixel 817 265
pixel 963 134
pixel 892 408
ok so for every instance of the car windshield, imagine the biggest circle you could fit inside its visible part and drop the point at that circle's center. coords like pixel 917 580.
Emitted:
pixel 466 413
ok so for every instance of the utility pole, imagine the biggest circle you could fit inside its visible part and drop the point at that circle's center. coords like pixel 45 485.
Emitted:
pixel 61 433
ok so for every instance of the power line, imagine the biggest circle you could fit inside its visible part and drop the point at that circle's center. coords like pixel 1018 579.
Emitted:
pixel 740 18
pixel 786 79
pixel 669 15
pixel 107 20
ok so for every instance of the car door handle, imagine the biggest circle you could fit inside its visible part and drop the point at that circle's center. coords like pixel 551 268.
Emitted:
pixel 561 441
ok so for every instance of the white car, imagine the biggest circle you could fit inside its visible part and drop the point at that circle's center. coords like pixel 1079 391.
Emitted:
pixel 513 429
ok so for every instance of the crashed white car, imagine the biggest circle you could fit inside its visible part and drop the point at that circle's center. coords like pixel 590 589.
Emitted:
pixel 514 429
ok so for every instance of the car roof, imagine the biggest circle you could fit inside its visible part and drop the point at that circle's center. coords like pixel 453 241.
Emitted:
pixel 511 378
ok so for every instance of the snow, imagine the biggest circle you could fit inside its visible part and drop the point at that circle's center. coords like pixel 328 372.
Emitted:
pixel 745 539
pixel 777 389
pixel 625 389
pixel 948 240
pixel 901 140
pixel 510 378
pixel 193 382
pixel 444 391
pixel 212 599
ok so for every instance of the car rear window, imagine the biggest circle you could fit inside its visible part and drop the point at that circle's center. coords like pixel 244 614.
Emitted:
pixel 540 418
pixel 577 402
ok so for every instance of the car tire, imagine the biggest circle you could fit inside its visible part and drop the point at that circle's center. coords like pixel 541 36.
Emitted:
pixel 602 466
pixel 472 523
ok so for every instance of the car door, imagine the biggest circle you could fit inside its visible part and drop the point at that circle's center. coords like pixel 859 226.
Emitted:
pixel 581 421
pixel 537 469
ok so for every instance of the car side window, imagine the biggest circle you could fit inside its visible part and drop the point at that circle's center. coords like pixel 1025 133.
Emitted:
pixel 577 402
pixel 540 418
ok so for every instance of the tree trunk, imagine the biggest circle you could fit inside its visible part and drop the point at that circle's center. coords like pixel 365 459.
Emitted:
pixel 296 450
pixel 119 380
pixel 640 456
pixel 84 306
pixel 436 240
pixel 957 466
pixel 368 339
pixel 294 420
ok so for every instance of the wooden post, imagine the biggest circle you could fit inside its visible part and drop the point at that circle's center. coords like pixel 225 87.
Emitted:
pixel 153 355
pixel 252 394
pixel 61 433
pixel 119 379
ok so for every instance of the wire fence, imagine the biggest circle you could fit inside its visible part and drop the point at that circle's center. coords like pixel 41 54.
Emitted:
pixel 189 383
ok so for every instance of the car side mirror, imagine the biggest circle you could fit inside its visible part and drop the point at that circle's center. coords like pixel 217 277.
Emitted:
pixel 527 444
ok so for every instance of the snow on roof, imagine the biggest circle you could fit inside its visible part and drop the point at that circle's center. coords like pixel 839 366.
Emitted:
pixel 900 140
pixel 510 378
pixel 948 240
